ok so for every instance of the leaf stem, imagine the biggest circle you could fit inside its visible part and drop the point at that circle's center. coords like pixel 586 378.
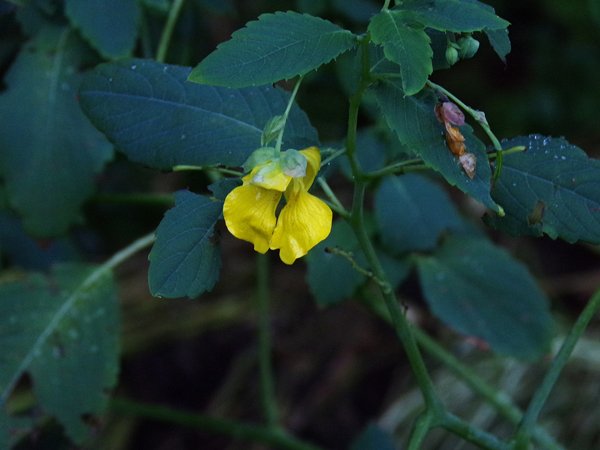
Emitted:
pixel 334 201
pixel 472 434
pixel 526 428
pixel 287 113
pixel 233 429
pixel 332 157
pixel 165 38
pixel 267 385
pixel 222 170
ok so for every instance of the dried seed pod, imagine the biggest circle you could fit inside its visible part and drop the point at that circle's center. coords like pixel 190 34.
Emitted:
pixel 468 161
pixel 455 140
pixel 448 112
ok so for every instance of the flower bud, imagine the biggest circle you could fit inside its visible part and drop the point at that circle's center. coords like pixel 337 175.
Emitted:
pixel 468 46
pixel 451 55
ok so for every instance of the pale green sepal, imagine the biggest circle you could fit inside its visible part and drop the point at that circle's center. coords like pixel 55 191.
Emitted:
pixel 260 156
pixel 293 163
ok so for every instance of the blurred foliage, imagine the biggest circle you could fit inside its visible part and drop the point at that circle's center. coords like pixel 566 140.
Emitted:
pixel 200 356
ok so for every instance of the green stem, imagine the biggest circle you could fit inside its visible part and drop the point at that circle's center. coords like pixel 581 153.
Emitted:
pixel 350 258
pixel 287 113
pixel 332 157
pixel 413 165
pixel 472 434
pixel 480 118
pixel 335 203
pixel 222 170
pixel 399 321
pixel 386 5
pixel 235 430
pixel 541 394
pixel 419 432
pixel 267 384
pixel 499 400
pixel 165 39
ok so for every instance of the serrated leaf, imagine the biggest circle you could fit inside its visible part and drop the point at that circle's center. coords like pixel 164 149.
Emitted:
pixel 110 26
pixel 275 47
pixel 480 290
pixel 50 152
pixel 413 119
pixel 405 45
pixel 185 261
pixel 157 118
pixel 458 16
pixel 413 212
pixel 553 188
pixel 64 330
pixel 500 42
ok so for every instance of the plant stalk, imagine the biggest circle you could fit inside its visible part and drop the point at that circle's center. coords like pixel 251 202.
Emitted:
pixel 526 428
pixel 267 385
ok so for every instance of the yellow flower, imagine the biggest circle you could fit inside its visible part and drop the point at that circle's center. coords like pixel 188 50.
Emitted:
pixel 304 221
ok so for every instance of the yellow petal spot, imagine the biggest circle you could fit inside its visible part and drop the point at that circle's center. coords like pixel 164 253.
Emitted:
pixel 303 222
pixel 268 176
pixel 249 213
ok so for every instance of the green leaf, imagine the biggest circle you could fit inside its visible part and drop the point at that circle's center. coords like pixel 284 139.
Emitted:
pixel 413 119
pixel 157 118
pixel 374 437
pixel 110 26
pixel 458 16
pixel 64 330
pixel 500 42
pixel 413 212
pixel 480 290
pixel 275 47
pixel 553 188
pixel 50 152
pixel 185 261
pixel 331 277
pixel 405 45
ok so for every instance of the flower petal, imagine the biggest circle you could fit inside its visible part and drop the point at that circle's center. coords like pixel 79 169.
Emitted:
pixel 249 213
pixel 313 157
pixel 303 222
pixel 269 176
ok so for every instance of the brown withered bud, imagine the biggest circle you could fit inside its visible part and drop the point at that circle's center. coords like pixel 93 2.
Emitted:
pixel 452 117
pixel 448 112
pixel 455 140
pixel 468 161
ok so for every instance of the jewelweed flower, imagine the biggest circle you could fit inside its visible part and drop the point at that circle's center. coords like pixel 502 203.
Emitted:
pixel 250 210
